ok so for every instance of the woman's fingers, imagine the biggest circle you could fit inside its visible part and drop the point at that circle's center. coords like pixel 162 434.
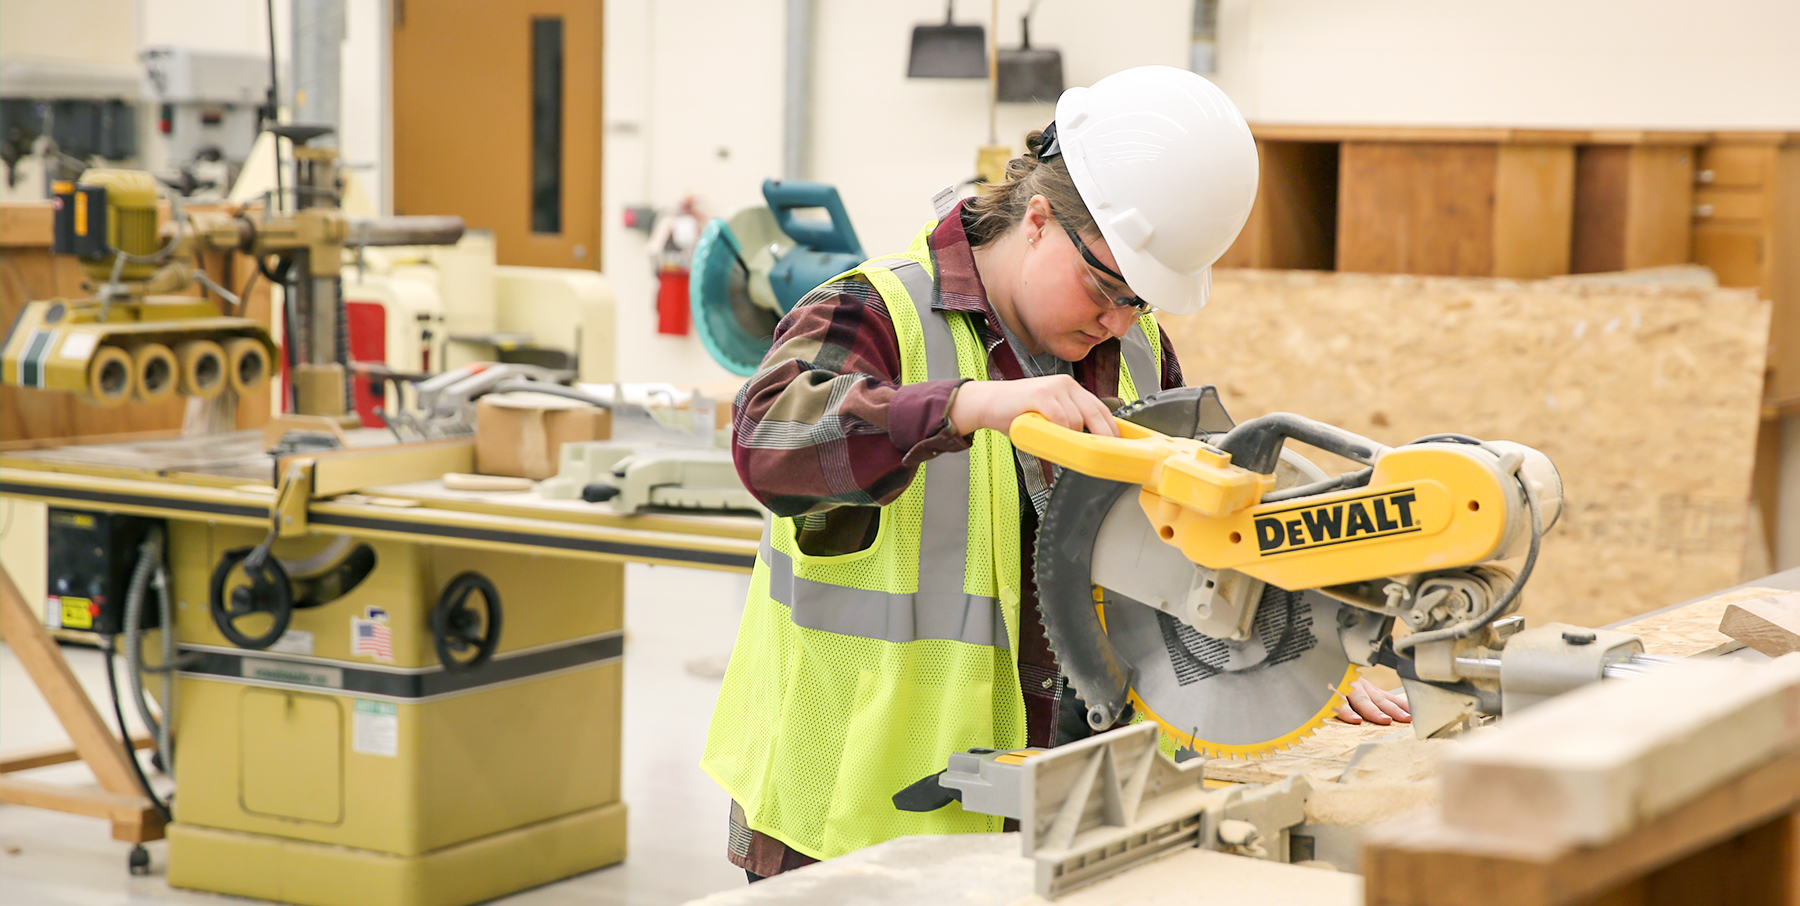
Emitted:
pixel 1366 701
pixel 1365 708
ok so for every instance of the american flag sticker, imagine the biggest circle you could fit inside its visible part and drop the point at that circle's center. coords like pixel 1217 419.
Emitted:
pixel 371 638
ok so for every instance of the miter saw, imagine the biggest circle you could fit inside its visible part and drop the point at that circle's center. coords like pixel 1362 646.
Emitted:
pixel 1228 588
pixel 750 271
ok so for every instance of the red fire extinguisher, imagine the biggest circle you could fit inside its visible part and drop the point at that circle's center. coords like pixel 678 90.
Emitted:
pixel 671 249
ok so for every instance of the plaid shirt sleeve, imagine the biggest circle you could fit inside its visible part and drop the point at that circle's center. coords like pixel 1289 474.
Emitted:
pixel 826 422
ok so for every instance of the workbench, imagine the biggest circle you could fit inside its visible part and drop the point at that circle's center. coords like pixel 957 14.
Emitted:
pixel 988 868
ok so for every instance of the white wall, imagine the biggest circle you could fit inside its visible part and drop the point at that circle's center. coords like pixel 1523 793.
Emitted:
pixel 692 107
pixel 95 31
pixel 1665 64
pixel 693 90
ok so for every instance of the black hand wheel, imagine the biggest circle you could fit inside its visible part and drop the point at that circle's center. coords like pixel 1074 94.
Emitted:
pixel 268 593
pixel 457 629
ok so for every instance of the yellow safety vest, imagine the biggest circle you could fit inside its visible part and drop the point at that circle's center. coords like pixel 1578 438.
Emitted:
pixel 855 675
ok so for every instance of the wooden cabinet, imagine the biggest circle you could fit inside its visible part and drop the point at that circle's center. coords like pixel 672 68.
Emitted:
pixel 1746 222
pixel 1633 200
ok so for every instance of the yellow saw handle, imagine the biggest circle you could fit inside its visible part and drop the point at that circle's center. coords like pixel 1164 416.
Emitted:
pixel 1185 471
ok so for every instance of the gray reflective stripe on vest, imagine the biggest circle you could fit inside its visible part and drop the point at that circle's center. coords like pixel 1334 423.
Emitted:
pixel 940 609
pixel 1140 359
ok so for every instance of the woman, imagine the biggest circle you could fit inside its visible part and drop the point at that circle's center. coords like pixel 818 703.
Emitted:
pixel 892 618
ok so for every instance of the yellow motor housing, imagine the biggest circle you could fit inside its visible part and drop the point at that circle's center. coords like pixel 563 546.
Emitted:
pixel 1425 507
pixel 109 210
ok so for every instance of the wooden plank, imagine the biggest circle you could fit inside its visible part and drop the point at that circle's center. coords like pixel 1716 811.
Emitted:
pixel 44 663
pixel 1419 860
pixel 1589 766
pixel 1534 199
pixel 1595 376
pixel 1417 208
pixel 1770 625
pixel 1644 137
pixel 1659 198
pixel 54 755
pixel 73 800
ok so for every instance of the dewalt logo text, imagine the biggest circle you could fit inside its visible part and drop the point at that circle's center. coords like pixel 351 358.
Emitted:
pixel 1339 522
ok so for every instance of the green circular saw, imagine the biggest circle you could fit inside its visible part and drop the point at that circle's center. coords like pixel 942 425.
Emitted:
pixel 754 268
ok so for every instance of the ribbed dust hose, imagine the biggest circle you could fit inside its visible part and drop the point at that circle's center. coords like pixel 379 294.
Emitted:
pixel 149 568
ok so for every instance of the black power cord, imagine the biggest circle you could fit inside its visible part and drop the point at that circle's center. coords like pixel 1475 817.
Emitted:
pixel 112 684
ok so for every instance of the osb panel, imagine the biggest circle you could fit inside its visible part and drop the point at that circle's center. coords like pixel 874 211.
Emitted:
pixel 1645 397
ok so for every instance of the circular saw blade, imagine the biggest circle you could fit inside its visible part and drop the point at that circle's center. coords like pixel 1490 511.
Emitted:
pixel 1224 698
pixel 1235 699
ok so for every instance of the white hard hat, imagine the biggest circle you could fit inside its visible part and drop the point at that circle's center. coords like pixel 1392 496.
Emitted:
pixel 1167 167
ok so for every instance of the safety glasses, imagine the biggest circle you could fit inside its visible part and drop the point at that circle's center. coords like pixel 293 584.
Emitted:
pixel 1114 301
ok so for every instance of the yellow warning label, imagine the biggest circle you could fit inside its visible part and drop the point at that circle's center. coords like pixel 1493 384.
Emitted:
pixel 78 520
pixel 77 614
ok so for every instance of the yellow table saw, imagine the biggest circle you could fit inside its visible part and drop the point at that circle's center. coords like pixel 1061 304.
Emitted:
pixel 410 695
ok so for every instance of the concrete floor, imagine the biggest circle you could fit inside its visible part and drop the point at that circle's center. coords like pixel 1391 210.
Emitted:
pixel 678 623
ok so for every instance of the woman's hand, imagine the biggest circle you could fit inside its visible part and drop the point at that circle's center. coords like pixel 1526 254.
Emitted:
pixel 994 405
pixel 1373 704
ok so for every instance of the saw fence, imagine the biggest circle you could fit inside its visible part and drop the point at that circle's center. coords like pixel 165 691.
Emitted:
pixel 1646 397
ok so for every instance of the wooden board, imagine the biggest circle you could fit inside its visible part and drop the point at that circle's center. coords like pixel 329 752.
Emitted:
pixel 1589 766
pixel 1769 624
pixel 1645 397
pixel 1732 845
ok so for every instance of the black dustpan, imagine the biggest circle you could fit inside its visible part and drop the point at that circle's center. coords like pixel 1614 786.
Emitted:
pixel 948 51
pixel 1029 74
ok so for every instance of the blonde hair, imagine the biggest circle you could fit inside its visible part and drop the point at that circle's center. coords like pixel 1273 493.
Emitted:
pixel 1000 207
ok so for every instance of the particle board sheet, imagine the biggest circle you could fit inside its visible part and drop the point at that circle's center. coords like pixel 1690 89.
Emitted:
pixel 1693 629
pixel 1646 398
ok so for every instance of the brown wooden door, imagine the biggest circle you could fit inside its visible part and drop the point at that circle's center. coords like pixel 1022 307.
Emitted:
pixel 497 119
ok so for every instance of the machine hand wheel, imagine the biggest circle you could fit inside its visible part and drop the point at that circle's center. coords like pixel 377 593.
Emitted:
pixel 269 592
pixel 457 628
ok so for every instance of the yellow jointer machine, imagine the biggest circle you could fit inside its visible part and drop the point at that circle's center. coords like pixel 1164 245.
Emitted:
pixel 382 693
